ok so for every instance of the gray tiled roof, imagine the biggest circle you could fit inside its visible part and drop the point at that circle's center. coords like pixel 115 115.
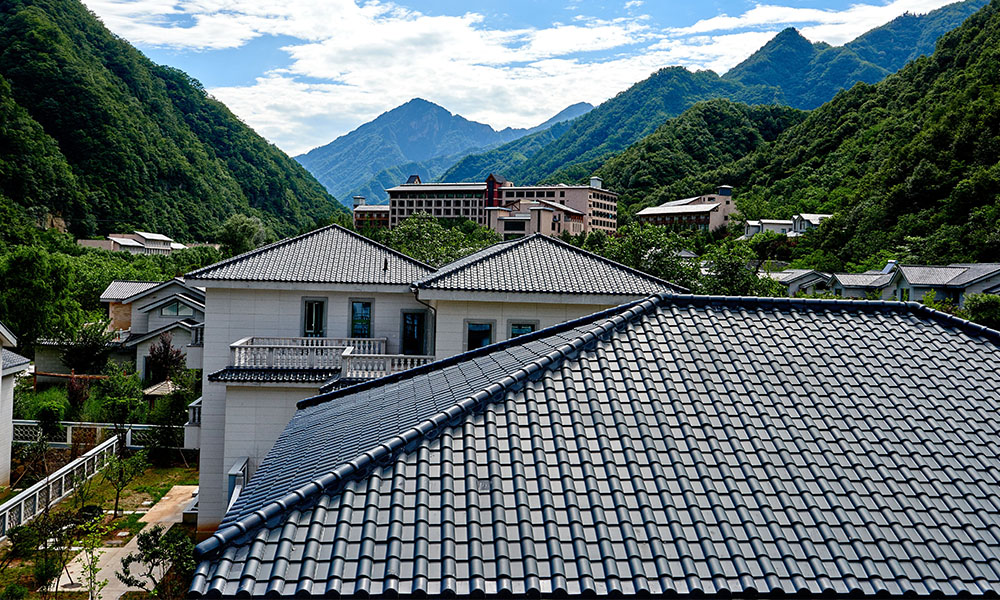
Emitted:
pixel 678 445
pixel 272 375
pixel 958 275
pixel 12 360
pixel 790 275
pixel 869 279
pixel 328 255
pixel 119 289
pixel 543 264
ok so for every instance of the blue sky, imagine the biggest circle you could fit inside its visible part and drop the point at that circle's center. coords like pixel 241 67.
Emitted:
pixel 302 72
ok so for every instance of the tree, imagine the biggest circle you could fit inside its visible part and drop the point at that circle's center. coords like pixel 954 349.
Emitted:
pixel 241 233
pixel 90 543
pixel 428 240
pixel 121 403
pixel 119 471
pixel 984 309
pixel 730 265
pixel 157 555
pixel 170 413
pixel 164 361
pixel 34 298
pixel 88 346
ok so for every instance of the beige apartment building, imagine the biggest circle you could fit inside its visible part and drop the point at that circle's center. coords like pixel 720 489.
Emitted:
pixel 708 212
pixel 513 211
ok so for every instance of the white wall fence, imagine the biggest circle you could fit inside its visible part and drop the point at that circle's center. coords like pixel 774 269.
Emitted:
pixel 136 436
pixel 54 488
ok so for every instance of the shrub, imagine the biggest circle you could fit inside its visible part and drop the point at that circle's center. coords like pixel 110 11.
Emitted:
pixel 984 309
pixel 23 541
pixel 14 592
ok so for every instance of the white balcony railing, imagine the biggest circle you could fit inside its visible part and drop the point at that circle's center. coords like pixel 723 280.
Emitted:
pixel 356 358
pixel 299 353
pixel 372 366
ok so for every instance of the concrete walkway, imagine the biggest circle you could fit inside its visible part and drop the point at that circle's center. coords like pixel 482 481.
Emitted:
pixel 165 512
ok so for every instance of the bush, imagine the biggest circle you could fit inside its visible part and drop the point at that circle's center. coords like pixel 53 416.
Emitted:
pixel 14 592
pixel 984 309
pixel 23 541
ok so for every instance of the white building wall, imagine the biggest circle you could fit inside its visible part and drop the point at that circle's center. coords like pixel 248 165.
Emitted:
pixel 452 316
pixel 255 417
pixel 143 322
pixel 232 314
pixel 6 426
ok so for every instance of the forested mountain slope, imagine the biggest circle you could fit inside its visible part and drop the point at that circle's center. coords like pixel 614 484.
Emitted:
pixel 911 162
pixel 788 70
pixel 707 135
pixel 115 141
pixel 807 74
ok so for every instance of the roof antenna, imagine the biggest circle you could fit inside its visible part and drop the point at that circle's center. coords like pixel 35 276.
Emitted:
pixel 385 264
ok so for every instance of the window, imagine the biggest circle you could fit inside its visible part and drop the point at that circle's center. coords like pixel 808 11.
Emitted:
pixel 478 334
pixel 361 318
pixel 314 317
pixel 176 309
pixel 522 327
pixel 904 294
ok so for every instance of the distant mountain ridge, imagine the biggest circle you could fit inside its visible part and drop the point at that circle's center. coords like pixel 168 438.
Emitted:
pixel 806 75
pixel 788 70
pixel 94 134
pixel 418 134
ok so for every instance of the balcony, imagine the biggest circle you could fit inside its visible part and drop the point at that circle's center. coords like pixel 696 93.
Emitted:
pixel 352 358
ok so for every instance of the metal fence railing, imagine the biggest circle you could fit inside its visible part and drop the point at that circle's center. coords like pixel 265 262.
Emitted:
pixel 73 432
pixel 54 488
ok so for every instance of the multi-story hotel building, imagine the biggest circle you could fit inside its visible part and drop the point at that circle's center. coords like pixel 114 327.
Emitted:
pixel 708 212
pixel 511 210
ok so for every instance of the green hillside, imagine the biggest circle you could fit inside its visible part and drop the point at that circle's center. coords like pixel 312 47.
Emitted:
pixel 808 74
pixel 112 141
pixel 506 158
pixel 707 135
pixel 911 164
pixel 788 70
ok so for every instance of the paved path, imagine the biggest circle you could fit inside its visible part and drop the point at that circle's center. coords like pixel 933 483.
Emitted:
pixel 165 512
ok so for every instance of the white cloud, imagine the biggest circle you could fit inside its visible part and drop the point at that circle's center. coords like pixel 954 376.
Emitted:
pixel 350 62
pixel 832 26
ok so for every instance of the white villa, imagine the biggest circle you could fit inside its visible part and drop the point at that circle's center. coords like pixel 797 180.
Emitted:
pixel 796 226
pixel 11 365
pixel 331 308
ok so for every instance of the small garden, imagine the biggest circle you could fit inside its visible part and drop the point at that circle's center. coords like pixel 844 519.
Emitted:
pixel 105 510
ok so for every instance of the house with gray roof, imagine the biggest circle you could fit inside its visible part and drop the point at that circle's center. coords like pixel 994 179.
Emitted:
pixel 950 283
pixel 805 281
pixel 140 312
pixel 674 446
pixel 331 308
pixel 12 365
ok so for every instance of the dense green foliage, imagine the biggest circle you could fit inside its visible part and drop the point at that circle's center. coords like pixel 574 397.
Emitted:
pixel 806 75
pixel 788 70
pixel 436 241
pixel 51 285
pixel 707 135
pixel 910 166
pixel 95 134
pixel 417 138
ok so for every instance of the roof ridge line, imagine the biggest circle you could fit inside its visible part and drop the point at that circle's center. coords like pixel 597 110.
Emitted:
pixel 385 451
pixel 489 251
pixel 194 274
